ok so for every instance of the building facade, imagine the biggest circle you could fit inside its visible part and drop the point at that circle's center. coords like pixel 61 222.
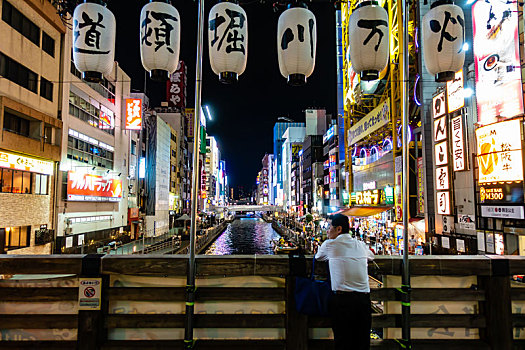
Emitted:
pixel 31 52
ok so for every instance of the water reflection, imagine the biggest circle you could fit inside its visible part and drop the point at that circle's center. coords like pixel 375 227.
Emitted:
pixel 245 236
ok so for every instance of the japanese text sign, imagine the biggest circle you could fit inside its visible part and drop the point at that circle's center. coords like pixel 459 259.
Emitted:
pixel 455 94
pixel 13 161
pixel 88 187
pixel 176 87
pixel 499 152
pixel 133 114
pixel 438 105
pixel 458 144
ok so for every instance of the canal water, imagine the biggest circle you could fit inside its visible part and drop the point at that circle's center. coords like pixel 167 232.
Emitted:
pixel 245 236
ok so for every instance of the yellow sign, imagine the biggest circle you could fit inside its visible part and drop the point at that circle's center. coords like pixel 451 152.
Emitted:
pixel 367 197
pixel 13 161
pixel 499 152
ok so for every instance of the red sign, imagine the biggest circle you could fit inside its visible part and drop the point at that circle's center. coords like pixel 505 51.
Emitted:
pixel 176 87
pixel 497 59
pixel 88 187
pixel 133 213
pixel 133 114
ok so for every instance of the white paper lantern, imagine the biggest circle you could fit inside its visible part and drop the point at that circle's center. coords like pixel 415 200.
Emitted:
pixel 159 39
pixel 93 40
pixel 228 41
pixel 443 36
pixel 296 43
pixel 368 39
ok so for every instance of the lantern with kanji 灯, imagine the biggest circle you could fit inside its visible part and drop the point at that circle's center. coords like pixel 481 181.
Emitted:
pixel 368 39
pixel 159 39
pixel 93 40
pixel 443 31
pixel 296 42
pixel 228 41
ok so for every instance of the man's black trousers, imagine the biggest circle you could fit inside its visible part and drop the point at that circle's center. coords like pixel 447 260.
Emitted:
pixel 351 320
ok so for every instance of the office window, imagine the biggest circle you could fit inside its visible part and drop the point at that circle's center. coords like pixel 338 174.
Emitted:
pixel 16 124
pixel 20 23
pixel 133 147
pixel 17 73
pixel 46 89
pixel 17 237
pixel 15 181
pixel 41 182
pixel 48 44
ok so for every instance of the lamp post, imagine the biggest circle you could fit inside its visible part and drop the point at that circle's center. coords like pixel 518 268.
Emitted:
pixel 190 284
pixel 405 283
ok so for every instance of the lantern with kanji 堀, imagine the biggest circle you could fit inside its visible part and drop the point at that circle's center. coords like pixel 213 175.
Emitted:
pixel 296 43
pixel 228 41
pixel 443 31
pixel 93 40
pixel 368 39
pixel 159 39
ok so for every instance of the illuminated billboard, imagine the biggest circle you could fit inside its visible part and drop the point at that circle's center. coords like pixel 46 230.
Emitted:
pixel 499 152
pixel 88 187
pixel 133 114
pixel 497 60
pixel 14 161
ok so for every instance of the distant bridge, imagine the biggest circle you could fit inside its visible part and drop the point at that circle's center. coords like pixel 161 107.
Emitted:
pixel 237 208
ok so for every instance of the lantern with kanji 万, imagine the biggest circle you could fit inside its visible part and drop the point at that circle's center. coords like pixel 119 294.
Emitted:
pixel 368 39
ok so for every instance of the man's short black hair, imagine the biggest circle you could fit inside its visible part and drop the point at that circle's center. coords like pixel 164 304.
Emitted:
pixel 341 220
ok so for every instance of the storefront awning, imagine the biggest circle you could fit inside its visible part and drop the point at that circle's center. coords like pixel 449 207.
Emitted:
pixel 364 211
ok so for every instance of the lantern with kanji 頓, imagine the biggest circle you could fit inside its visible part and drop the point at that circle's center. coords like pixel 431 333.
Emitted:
pixel 296 42
pixel 443 31
pixel 93 40
pixel 228 41
pixel 159 39
pixel 368 39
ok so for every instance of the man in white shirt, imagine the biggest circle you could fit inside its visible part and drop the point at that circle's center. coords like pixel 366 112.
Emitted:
pixel 350 308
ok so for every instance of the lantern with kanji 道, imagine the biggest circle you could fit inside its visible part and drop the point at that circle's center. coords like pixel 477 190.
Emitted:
pixel 443 36
pixel 93 40
pixel 228 41
pixel 296 43
pixel 368 39
pixel 159 39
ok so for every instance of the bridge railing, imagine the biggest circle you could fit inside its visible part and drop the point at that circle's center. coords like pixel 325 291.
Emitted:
pixel 246 302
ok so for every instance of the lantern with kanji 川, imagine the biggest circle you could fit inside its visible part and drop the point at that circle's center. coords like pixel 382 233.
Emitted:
pixel 368 39
pixel 93 40
pixel 228 41
pixel 443 31
pixel 296 43
pixel 159 39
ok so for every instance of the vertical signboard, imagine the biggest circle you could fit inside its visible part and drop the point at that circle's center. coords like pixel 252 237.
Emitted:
pixel 496 57
pixel 133 114
pixel 438 105
pixel 398 197
pixel 420 187
pixel 176 87
pixel 458 144
pixel 455 94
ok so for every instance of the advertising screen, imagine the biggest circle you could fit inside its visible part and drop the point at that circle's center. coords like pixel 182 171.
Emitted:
pixel 133 114
pixel 499 152
pixel 497 60
pixel 88 187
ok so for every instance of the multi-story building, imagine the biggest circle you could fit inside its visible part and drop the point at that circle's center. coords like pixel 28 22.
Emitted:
pixel 178 166
pixel 94 170
pixel 212 172
pixel 293 143
pixel 278 140
pixel 31 64
pixel 312 160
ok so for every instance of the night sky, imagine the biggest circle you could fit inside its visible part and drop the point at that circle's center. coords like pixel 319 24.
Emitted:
pixel 244 113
